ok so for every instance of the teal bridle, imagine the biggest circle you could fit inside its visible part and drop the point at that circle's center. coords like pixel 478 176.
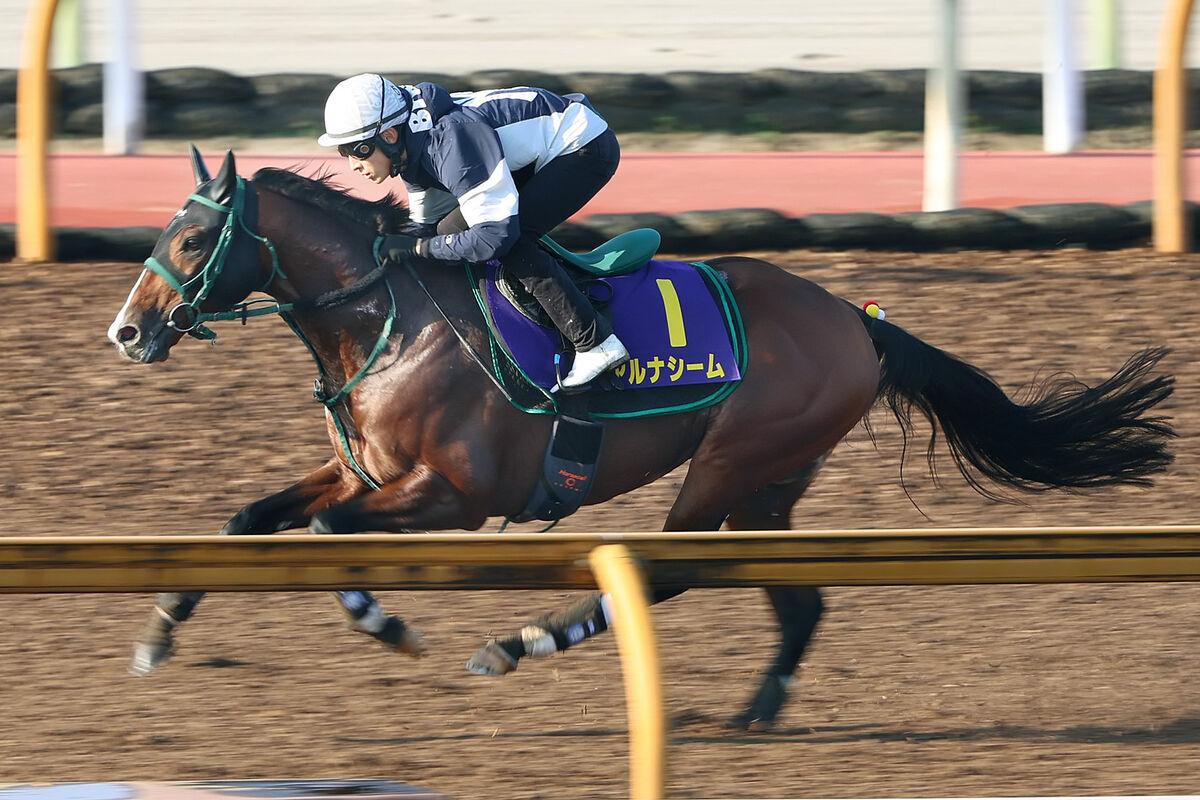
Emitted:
pixel 186 316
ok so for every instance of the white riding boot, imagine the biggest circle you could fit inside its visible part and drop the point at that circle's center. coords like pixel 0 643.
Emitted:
pixel 591 363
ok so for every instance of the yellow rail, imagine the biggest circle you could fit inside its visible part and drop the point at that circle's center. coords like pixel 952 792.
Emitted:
pixel 622 564
pixel 560 561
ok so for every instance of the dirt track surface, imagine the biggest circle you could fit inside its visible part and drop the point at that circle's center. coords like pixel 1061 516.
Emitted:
pixel 906 692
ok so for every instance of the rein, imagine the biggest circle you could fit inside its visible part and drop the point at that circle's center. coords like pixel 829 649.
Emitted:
pixel 320 391
pixel 203 282
pixel 468 347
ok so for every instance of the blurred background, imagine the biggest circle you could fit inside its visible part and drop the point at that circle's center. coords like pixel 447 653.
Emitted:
pixel 1056 76
pixel 1064 690
pixel 615 36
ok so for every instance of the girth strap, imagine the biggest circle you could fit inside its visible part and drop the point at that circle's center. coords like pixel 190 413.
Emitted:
pixel 567 472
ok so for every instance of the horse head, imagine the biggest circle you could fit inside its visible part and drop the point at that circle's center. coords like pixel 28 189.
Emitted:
pixel 206 260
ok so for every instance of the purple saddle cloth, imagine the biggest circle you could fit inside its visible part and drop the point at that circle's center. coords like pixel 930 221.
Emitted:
pixel 675 330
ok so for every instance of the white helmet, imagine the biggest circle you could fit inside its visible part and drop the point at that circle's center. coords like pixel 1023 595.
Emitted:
pixel 360 107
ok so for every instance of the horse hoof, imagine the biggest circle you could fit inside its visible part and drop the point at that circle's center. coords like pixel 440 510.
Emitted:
pixel 491 659
pixel 412 644
pixel 319 525
pixel 149 657
pixel 238 525
pixel 401 638
pixel 744 722
pixel 760 714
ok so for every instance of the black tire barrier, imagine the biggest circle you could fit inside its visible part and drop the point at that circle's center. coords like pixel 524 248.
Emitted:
pixel 1035 227
pixel 188 102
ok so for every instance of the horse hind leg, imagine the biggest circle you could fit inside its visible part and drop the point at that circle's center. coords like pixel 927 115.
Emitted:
pixel 798 608
pixel 551 633
pixel 544 636
pixel 587 617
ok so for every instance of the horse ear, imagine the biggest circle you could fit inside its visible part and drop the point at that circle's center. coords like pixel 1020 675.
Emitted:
pixel 226 181
pixel 198 168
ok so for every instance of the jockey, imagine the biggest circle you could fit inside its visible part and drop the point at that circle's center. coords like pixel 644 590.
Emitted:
pixel 487 173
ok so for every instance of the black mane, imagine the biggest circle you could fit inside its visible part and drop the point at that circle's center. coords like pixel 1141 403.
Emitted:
pixel 382 216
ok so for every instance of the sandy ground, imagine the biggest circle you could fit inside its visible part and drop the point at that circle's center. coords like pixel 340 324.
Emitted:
pixel 906 692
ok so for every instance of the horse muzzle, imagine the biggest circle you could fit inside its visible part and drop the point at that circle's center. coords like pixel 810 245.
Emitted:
pixel 145 344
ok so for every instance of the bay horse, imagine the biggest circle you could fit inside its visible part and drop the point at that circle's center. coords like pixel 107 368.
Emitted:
pixel 424 438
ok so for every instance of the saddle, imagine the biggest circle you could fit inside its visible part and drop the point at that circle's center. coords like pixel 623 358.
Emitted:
pixel 618 256
pixel 678 320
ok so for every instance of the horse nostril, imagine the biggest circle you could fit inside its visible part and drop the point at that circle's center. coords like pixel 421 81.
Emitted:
pixel 127 334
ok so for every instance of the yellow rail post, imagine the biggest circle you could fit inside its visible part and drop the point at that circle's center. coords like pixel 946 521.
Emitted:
pixel 1171 234
pixel 618 575
pixel 34 240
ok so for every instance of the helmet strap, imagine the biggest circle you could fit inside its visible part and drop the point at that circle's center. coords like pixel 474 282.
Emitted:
pixel 397 153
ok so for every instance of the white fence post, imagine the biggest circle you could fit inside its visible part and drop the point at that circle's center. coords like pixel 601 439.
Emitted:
pixel 1062 88
pixel 943 117
pixel 122 83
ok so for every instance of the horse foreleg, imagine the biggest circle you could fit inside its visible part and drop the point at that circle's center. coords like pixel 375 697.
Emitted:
pixel 290 508
pixel 295 505
pixel 156 643
pixel 422 499
pixel 366 615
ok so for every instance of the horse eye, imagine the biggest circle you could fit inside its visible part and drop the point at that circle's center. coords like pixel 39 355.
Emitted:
pixel 191 244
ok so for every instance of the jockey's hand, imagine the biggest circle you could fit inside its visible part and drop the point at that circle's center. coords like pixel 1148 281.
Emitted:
pixel 398 246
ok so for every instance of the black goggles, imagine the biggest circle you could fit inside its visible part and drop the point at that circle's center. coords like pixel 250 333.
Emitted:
pixel 360 150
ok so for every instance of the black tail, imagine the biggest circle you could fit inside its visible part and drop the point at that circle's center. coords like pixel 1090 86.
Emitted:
pixel 1068 435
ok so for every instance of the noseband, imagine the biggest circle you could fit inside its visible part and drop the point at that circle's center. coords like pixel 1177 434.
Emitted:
pixel 186 316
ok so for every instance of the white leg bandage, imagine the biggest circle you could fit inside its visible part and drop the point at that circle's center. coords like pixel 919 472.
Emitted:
pixel 372 620
pixel 538 641
pixel 606 608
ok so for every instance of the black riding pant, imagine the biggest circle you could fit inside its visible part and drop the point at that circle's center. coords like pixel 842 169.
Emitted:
pixel 548 198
